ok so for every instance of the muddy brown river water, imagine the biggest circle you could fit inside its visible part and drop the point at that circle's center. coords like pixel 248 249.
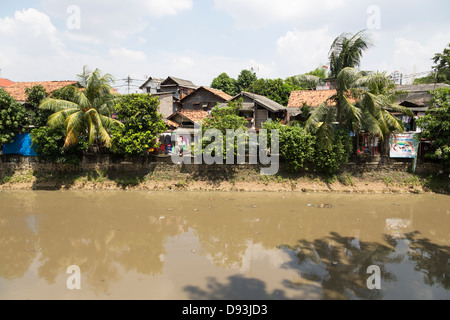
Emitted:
pixel 222 245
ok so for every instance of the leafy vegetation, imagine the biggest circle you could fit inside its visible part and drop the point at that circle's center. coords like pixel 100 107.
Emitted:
pixel 49 145
pixel 13 117
pixel 142 125
pixel 436 126
pixel 223 119
pixel 302 150
pixel 88 113
pixel 442 73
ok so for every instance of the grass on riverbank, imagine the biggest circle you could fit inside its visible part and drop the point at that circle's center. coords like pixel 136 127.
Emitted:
pixel 238 180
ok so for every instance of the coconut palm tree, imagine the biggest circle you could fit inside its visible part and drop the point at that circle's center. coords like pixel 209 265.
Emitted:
pixel 377 102
pixel 346 51
pixel 88 113
pixel 363 102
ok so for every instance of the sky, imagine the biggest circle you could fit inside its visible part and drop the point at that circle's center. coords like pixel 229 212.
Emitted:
pixel 43 40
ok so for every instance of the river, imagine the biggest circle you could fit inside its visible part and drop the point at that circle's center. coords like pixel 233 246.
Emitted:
pixel 223 245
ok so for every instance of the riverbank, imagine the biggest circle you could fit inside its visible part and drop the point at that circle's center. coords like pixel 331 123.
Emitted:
pixel 164 177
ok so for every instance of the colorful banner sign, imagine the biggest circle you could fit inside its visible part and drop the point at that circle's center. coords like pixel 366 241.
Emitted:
pixel 403 146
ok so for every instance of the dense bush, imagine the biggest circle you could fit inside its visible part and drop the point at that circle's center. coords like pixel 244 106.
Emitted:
pixel 436 126
pixel 328 159
pixel 12 117
pixel 302 151
pixel 35 95
pixel 48 144
pixel 143 124
pixel 223 119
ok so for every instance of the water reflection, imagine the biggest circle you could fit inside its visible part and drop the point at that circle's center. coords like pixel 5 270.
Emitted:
pixel 223 246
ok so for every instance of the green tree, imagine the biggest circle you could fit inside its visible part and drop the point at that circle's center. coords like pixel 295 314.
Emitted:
pixel 436 126
pixel 49 145
pixel 346 51
pixel 143 124
pixel 308 80
pixel 297 147
pixel 225 83
pixel 377 102
pixel 302 150
pixel 35 95
pixel 12 117
pixel 442 75
pixel 354 108
pixel 68 93
pixel 223 119
pixel 245 80
pixel 275 89
pixel 89 114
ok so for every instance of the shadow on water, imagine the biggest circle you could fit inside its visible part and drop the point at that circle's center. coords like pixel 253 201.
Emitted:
pixel 237 288
pixel 340 264
pixel 336 268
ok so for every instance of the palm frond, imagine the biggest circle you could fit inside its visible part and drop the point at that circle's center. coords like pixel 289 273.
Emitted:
pixel 372 124
pixel 56 105
pixel 58 119
pixel 71 139
pixel 319 115
pixel 74 123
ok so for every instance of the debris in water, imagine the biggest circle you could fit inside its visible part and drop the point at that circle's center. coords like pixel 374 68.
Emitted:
pixel 195 209
pixel 193 251
pixel 334 263
pixel 324 205
pixel 309 205
pixel 162 217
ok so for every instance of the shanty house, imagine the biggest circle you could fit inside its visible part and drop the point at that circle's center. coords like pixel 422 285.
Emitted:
pixel 204 98
pixel 418 100
pixel 310 98
pixel 178 87
pixel 258 109
pixel 152 85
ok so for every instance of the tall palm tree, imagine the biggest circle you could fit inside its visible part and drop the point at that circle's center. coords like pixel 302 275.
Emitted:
pixel 363 102
pixel 88 113
pixel 377 102
pixel 346 51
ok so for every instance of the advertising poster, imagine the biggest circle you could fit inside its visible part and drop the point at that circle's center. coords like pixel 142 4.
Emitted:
pixel 403 146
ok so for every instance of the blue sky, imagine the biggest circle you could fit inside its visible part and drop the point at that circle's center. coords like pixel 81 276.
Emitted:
pixel 199 39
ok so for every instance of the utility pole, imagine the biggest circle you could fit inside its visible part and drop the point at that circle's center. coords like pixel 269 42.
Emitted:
pixel 129 83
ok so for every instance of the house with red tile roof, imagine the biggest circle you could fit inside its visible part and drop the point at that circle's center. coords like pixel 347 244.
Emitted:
pixel 188 118
pixel 5 82
pixel 17 90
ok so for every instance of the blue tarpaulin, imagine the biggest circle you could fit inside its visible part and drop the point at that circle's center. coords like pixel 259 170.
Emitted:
pixel 21 146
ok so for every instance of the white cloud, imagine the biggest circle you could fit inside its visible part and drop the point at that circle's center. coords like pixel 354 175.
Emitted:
pixel 29 31
pixel 303 51
pixel 107 21
pixel 159 8
pixel 127 56
pixel 257 13
pixel 410 54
